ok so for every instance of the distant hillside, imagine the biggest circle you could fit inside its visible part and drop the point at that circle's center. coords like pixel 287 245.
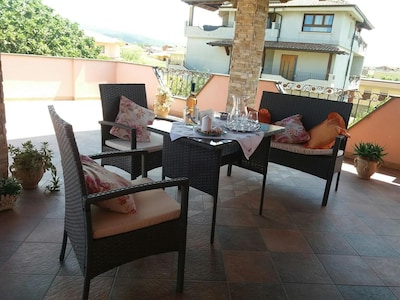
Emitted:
pixel 132 38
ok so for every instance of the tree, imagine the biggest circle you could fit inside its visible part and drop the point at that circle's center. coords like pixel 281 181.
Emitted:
pixel 3 137
pixel 30 27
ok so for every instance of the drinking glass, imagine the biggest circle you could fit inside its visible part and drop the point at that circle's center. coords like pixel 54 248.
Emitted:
pixel 252 117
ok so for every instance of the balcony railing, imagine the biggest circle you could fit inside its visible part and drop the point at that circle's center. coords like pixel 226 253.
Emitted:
pixel 364 102
pixel 179 81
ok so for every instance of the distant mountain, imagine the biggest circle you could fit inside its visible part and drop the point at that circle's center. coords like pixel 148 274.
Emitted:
pixel 132 38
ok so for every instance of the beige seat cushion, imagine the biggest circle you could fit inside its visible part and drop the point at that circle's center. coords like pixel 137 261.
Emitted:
pixel 152 207
pixel 155 144
pixel 299 148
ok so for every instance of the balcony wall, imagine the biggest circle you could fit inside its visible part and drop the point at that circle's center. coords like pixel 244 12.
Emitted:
pixel 380 127
pixel 217 33
pixel 28 77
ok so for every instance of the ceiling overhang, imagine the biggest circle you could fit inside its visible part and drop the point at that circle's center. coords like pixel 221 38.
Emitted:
pixel 211 5
pixel 309 47
pixel 214 5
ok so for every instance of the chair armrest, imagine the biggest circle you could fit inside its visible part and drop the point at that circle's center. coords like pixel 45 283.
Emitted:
pixel 340 144
pixel 133 153
pixel 111 124
pixel 123 126
pixel 182 183
pixel 118 153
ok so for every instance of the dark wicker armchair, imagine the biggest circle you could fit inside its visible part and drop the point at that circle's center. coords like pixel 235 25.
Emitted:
pixel 110 97
pixel 158 226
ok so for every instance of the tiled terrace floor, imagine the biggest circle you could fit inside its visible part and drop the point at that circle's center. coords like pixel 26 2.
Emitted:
pixel 296 250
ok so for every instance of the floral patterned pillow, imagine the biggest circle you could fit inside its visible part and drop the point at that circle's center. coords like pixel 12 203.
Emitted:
pixel 134 116
pixel 98 179
pixel 294 133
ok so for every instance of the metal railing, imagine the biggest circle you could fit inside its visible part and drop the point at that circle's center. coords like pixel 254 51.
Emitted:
pixel 179 81
pixel 364 102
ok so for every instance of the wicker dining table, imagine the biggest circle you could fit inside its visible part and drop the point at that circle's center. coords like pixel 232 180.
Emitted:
pixel 200 158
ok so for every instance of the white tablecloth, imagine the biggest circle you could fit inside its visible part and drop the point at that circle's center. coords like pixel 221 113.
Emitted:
pixel 248 141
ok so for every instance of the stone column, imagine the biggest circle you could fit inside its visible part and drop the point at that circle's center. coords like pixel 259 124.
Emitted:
pixel 247 49
pixel 3 136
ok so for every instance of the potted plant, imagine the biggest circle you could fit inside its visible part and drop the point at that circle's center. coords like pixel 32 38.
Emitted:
pixel 163 102
pixel 369 158
pixel 10 188
pixel 30 163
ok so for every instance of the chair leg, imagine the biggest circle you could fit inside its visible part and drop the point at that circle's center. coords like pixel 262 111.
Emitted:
pixel 262 194
pixel 64 246
pixel 229 171
pixel 214 217
pixel 86 286
pixel 181 270
pixel 337 181
pixel 326 192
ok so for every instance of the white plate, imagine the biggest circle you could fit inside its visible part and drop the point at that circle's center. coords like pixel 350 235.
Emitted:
pixel 215 131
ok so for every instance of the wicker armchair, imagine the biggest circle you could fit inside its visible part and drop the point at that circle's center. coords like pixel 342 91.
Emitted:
pixel 110 97
pixel 158 226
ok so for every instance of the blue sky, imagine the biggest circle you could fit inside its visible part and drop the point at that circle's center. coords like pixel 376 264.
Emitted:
pixel 166 18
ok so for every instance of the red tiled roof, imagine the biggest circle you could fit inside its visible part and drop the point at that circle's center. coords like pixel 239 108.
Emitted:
pixel 311 47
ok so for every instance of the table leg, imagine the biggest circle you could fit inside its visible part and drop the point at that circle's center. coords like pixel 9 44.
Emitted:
pixel 197 161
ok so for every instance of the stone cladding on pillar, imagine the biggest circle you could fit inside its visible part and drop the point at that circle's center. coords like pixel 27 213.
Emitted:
pixel 247 49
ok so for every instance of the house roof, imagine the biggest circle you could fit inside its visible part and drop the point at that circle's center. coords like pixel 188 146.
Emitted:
pixel 324 3
pixel 214 5
pixel 310 47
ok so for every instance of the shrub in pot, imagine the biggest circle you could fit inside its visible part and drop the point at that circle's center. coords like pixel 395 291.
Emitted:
pixel 369 158
pixel 30 163
pixel 10 188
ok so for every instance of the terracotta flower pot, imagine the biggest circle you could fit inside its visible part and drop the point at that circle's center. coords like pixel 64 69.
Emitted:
pixel 365 168
pixel 29 178
pixel 7 201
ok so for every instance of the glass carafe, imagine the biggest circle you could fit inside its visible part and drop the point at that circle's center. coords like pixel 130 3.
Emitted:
pixel 238 114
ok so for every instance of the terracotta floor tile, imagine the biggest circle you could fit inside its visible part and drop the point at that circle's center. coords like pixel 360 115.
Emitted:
pixel 307 291
pixel 283 240
pixel 346 269
pixel 387 268
pixel 354 292
pixel 329 243
pixel 300 268
pixel 249 266
pixel 295 250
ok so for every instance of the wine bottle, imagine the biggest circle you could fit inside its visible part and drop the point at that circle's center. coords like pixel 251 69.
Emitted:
pixel 191 101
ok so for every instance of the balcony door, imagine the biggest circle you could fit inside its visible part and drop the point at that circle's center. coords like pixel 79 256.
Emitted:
pixel 288 66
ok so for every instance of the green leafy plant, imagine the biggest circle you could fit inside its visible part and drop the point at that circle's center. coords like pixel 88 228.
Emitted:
pixel 10 186
pixel 28 157
pixel 370 151
pixel 30 27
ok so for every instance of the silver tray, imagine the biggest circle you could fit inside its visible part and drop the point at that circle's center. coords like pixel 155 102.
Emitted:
pixel 244 130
